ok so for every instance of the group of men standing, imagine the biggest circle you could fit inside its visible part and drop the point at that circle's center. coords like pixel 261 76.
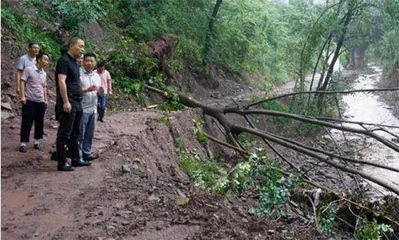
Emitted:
pixel 81 97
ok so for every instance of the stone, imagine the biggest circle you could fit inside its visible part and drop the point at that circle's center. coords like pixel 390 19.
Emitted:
pixel 110 227
pixel 125 223
pixel 138 209
pixel 154 198
pixel 119 205
pixel 158 228
pixel 181 201
pixel 211 208
pixel 7 115
pixel 135 166
pixel 6 105
pixel 125 169
pixel 136 160
pixel 128 212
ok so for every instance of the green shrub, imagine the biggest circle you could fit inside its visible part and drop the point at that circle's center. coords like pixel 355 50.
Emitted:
pixel 371 230
pixel 26 32
pixel 326 216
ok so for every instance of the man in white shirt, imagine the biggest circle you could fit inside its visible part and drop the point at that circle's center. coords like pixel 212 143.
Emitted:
pixel 25 61
pixel 91 83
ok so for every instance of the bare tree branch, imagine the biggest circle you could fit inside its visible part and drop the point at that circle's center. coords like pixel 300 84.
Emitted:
pixel 321 92
pixel 354 122
pixel 317 122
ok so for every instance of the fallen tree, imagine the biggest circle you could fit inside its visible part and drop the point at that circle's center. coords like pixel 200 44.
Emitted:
pixel 333 159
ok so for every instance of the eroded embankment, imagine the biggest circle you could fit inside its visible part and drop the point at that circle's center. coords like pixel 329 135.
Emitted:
pixel 152 198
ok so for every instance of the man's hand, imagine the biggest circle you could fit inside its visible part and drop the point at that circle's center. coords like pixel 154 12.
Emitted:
pixel 22 100
pixel 110 92
pixel 100 91
pixel 91 88
pixel 67 107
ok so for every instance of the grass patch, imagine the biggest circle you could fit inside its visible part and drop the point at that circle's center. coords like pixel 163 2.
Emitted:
pixel 204 172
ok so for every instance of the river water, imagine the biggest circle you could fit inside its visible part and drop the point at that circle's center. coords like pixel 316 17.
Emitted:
pixel 367 107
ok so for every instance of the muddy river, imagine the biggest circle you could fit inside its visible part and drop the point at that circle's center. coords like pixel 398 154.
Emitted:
pixel 367 107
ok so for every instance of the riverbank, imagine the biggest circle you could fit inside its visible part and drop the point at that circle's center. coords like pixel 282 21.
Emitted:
pixel 390 98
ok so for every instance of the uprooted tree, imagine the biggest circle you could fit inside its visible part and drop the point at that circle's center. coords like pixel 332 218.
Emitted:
pixel 232 131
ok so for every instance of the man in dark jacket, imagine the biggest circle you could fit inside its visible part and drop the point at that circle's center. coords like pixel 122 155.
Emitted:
pixel 69 106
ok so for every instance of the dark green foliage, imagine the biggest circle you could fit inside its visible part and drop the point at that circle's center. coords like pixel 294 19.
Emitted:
pixel 274 193
pixel 372 230
pixel 69 14
pixel 388 47
pixel 203 172
pixel 197 130
pixel 26 32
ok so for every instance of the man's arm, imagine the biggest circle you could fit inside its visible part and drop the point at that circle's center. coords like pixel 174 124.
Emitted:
pixel 109 82
pixel 18 80
pixel 45 95
pixel 23 78
pixel 22 98
pixel 63 92
pixel 18 71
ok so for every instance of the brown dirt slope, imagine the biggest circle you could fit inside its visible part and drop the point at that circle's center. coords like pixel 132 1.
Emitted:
pixel 102 202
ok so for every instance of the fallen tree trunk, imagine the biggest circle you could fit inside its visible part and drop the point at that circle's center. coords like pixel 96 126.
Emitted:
pixel 233 130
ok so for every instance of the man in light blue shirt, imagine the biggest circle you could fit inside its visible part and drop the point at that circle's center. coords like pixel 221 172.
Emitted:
pixel 90 82
pixel 25 61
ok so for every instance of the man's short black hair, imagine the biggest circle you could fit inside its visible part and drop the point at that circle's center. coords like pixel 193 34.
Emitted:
pixel 89 54
pixel 30 45
pixel 64 49
pixel 41 54
pixel 101 64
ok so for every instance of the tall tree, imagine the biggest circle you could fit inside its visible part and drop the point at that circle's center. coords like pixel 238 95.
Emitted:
pixel 210 31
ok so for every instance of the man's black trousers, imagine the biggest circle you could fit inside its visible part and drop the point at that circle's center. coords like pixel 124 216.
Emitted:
pixel 32 112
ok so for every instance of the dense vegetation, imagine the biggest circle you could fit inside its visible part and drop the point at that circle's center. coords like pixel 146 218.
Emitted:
pixel 247 38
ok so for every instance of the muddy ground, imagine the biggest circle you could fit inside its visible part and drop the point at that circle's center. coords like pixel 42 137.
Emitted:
pixel 102 202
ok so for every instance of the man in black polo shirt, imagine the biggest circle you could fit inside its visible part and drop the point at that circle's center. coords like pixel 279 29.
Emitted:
pixel 68 106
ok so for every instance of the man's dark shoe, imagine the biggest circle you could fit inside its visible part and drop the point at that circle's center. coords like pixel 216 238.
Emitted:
pixel 65 167
pixel 91 157
pixel 22 149
pixel 36 146
pixel 54 156
pixel 80 163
